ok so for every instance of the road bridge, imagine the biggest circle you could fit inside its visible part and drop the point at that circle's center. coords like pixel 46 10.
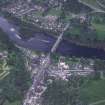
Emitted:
pixel 31 97
pixel 59 39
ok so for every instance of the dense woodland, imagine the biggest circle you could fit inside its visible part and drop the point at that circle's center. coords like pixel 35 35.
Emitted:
pixel 14 86
pixel 64 93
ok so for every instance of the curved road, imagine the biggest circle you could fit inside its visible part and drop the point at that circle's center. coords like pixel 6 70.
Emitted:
pixel 42 42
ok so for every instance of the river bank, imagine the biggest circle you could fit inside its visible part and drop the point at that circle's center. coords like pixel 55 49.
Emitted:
pixel 91 45
pixel 27 31
pixel 44 42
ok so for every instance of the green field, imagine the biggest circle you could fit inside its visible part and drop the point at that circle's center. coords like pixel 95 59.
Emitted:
pixel 93 91
pixel 100 30
pixel 54 12
pixel 14 103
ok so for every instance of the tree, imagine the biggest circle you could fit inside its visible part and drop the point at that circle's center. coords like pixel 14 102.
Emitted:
pixel 13 86
pixel 99 66
pixel 18 81
pixel 62 93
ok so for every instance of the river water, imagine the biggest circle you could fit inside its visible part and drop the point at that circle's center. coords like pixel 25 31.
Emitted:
pixel 43 42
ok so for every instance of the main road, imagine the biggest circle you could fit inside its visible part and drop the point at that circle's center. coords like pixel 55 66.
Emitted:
pixel 43 42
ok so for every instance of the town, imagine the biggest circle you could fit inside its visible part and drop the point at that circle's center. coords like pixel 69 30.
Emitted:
pixel 52 52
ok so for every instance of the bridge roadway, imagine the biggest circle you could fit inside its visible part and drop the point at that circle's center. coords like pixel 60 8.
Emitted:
pixel 39 78
pixel 59 39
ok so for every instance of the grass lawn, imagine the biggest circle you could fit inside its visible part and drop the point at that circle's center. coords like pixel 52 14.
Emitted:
pixel 37 13
pixel 93 91
pixel 54 12
pixel 14 103
pixel 68 17
pixel 100 29
pixel 75 31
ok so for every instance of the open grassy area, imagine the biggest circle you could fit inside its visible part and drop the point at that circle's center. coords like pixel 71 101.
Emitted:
pixel 54 12
pixel 100 30
pixel 75 31
pixel 93 91
pixel 38 13
pixel 14 103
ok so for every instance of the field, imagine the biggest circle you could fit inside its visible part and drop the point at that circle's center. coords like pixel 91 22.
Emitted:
pixel 54 12
pixel 93 91
pixel 100 30
pixel 14 103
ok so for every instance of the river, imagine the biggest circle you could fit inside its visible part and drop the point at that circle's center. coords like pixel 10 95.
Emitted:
pixel 43 42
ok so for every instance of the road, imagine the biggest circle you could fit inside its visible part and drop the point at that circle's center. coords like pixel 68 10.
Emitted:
pixel 92 7
pixel 45 43
pixel 41 73
pixel 56 44
pixel 100 4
